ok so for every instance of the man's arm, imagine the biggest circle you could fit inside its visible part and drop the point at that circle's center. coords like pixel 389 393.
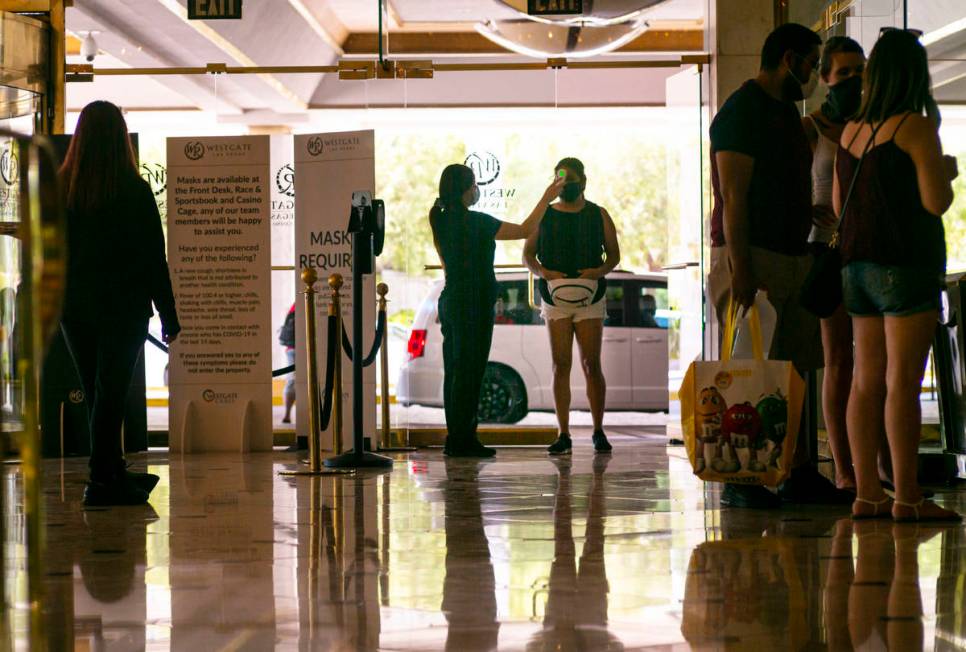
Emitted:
pixel 735 172
pixel 531 262
pixel 612 250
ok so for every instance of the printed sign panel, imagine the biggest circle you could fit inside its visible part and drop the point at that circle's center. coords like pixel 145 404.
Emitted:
pixel 219 251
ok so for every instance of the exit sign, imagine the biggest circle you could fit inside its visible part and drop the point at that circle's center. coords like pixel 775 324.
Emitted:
pixel 214 9
pixel 554 7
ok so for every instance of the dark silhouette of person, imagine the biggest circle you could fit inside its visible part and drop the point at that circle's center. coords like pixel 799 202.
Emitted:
pixel 116 270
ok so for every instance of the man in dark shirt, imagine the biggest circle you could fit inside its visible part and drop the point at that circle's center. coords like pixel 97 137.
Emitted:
pixel 761 177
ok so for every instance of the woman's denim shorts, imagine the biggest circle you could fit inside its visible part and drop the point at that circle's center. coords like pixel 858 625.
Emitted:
pixel 872 290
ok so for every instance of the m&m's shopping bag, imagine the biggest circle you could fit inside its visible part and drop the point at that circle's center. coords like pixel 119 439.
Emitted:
pixel 740 418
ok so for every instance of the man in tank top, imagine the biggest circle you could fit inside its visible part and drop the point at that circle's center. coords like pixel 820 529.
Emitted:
pixel 575 247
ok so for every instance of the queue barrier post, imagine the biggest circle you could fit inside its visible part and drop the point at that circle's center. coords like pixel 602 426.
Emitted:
pixel 335 309
pixel 385 444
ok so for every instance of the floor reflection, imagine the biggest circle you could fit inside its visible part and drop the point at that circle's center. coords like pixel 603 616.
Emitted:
pixel 576 609
pixel 626 552
pixel 469 590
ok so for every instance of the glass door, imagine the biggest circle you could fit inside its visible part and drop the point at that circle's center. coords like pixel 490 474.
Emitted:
pixel 688 211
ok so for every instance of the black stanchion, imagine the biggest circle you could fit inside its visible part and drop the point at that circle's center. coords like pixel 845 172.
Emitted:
pixel 362 231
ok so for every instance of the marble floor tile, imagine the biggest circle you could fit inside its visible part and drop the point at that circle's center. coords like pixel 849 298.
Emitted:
pixel 620 552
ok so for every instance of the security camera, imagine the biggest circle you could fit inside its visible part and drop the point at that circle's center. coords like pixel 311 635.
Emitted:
pixel 89 47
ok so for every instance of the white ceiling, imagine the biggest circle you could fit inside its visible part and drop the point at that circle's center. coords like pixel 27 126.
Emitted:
pixel 156 33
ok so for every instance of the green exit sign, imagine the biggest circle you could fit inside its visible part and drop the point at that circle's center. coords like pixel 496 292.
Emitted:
pixel 554 7
pixel 214 9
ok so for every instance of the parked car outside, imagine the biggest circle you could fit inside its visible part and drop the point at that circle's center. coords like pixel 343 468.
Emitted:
pixel 519 375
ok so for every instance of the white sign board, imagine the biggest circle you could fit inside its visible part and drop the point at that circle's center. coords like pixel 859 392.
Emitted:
pixel 219 251
pixel 328 169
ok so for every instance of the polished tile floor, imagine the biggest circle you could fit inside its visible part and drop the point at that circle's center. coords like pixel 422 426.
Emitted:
pixel 621 552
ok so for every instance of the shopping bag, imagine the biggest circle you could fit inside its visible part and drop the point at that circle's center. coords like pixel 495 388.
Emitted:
pixel 740 418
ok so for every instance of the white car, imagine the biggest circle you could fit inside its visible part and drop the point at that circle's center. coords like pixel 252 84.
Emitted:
pixel 519 375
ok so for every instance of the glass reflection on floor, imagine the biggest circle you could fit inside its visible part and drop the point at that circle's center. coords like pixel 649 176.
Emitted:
pixel 623 552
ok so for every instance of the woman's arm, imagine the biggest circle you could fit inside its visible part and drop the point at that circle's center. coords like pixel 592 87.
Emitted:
pixel 612 250
pixel 159 277
pixel 934 172
pixel 510 231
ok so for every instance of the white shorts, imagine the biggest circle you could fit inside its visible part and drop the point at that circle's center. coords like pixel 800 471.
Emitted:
pixel 574 313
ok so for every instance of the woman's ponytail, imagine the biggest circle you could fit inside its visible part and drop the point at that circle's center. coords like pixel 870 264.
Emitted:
pixel 455 180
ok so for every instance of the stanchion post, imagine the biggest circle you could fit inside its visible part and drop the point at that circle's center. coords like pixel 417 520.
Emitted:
pixel 335 309
pixel 309 277
pixel 386 437
pixel 382 289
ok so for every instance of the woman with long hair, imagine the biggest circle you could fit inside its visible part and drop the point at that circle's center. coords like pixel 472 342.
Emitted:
pixel 841 67
pixel 116 269
pixel 466 243
pixel 894 254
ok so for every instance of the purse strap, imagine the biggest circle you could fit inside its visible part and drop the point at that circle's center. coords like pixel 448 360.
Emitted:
pixel 855 177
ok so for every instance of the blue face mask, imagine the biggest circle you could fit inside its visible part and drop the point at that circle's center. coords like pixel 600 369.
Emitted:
pixel 474 197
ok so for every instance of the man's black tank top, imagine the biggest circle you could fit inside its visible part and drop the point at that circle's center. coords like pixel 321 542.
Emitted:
pixel 570 242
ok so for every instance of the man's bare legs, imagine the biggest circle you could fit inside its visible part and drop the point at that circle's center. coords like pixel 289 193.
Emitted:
pixel 590 334
pixel 561 349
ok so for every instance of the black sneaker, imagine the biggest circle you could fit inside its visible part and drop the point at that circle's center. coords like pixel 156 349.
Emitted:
pixel 563 445
pixel 119 491
pixel 749 497
pixel 144 481
pixel 472 449
pixel 601 445
pixel 806 486
pixel 301 444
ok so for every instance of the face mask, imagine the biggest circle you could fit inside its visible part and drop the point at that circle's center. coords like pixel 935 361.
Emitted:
pixel 795 89
pixel 473 198
pixel 571 191
pixel 843 100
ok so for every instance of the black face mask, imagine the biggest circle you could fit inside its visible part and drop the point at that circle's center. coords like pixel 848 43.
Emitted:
pixel 792 89
pixel 571 191
pixel 843 100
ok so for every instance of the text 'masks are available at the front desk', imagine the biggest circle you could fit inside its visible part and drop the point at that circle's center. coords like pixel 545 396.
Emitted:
pixel 219 251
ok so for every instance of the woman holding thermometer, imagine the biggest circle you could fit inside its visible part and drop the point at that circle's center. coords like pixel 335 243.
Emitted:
pixel 466 243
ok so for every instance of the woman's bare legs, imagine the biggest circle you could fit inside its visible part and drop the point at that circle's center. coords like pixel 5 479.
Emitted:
pixel 907 340
pixel 837 383
pixel 864 417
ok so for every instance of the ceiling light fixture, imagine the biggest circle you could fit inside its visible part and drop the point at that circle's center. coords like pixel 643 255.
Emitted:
pixel 556 39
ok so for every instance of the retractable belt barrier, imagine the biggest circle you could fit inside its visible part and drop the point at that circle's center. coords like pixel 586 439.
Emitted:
pixel 376 345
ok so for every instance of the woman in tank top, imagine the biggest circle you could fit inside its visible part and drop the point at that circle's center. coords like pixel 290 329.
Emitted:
pixel 841 67
pixel 894 256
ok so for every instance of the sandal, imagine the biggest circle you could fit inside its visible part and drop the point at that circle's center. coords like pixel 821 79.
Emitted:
pixel 950 517
pixel 876 504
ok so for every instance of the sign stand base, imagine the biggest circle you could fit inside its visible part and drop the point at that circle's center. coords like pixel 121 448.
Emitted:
pixel 357 460
pixel 318 473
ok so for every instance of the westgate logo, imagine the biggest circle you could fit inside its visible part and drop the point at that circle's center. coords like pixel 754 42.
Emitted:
pixel 485 165
pixel 219 398
pixel 157 176
pixel 285 180
pixel 9 167
pixel 315 146
pixel 195 150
